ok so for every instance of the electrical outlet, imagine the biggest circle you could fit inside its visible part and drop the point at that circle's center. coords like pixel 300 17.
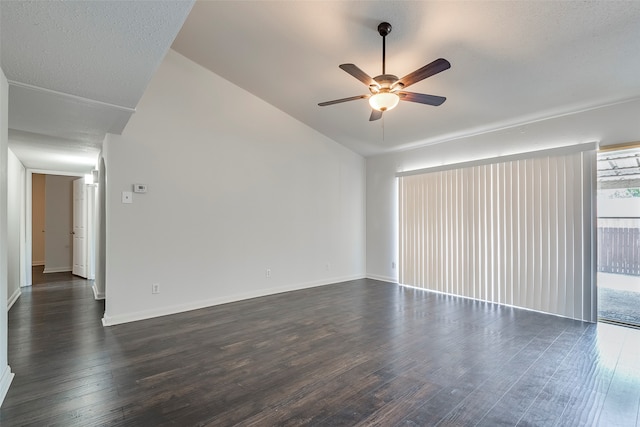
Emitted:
pixel 267 273
pixel 155 288
pixel 393 265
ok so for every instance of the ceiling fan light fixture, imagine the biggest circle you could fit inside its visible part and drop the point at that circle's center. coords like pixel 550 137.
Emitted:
pixel 387 90
pixel 384 101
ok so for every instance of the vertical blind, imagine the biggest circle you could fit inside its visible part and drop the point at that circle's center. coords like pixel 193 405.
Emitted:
pixel 519 232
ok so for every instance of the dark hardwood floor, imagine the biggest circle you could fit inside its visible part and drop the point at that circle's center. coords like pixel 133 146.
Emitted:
pixel 356 353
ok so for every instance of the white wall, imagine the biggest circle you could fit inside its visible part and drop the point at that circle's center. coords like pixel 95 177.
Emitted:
pixel 16 231
pixel 58 223
pixel 5 371
pixel 382 239
pixel 235 186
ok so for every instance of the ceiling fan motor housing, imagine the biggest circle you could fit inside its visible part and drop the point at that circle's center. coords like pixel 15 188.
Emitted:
pixel 385 81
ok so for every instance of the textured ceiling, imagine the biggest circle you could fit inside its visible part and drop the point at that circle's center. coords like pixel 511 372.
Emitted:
pixel 512 62
pixel 77 69
pixel 102 50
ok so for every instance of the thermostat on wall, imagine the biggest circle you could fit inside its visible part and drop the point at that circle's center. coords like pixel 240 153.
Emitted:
pixel 139 188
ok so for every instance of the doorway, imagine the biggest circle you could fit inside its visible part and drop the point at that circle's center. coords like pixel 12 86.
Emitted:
pixel 619 236
pixel 52 219
pixel 56 200
pixel 38 219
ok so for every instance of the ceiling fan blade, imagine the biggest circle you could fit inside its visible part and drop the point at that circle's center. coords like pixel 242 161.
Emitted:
pixel 358 74
pixel 422 98
pixel 338 101
pixel 428 70
pixel 375 115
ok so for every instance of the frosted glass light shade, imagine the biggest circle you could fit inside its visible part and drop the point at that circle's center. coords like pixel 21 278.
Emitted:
pixel 384 101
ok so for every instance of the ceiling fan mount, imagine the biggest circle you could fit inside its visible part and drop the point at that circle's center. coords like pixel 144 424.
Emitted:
pixel 384 28
pixel 386 90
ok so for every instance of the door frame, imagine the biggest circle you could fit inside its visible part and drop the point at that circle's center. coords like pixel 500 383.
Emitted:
pixel 27 252
pixel 80 220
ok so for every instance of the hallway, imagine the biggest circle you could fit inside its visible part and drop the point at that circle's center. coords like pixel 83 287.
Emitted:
pixel 55 339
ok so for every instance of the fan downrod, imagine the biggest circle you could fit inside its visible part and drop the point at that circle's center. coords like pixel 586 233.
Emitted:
pixel 384 28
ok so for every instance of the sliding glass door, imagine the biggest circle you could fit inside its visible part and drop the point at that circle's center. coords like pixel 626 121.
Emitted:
pixel 619 236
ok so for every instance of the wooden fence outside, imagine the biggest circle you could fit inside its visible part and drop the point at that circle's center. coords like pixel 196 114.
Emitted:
pixel 619 250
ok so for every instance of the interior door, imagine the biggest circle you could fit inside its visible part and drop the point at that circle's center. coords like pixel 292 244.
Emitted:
pixel 79 230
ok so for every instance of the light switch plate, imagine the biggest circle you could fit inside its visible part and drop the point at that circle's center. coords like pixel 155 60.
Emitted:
pixel 127 197
pixel 139 188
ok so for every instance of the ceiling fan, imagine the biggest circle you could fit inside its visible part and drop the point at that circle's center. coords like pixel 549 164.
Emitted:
pixel 386 90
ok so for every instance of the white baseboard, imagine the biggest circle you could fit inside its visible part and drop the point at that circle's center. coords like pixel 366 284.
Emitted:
pixel 97 295
pixel 382 278
pixel 13 298
pixel 5 382
pixel 57 269
pixel 196 305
